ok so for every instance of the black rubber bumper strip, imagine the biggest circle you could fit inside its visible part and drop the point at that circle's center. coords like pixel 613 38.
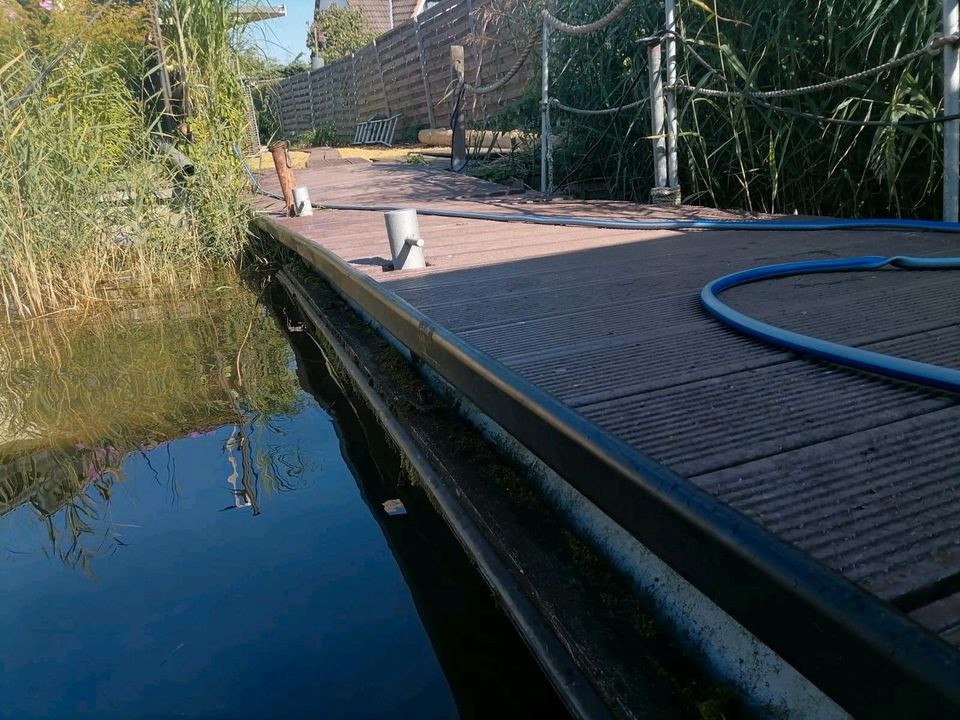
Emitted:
pixel 871 659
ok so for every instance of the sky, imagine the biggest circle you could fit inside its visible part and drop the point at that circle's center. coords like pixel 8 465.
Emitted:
pixel 284 38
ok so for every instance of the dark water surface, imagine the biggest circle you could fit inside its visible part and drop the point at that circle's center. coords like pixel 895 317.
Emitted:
pixel 190 526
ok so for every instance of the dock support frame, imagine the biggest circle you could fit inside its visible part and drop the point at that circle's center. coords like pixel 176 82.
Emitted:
pixel 867 656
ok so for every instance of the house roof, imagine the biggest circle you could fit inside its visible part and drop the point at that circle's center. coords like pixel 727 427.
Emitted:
pixel 377 12
pixel 404 10
pixel 254 12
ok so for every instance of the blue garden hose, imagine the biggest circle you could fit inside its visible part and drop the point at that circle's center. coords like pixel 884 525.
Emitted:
pixel 900 368
pixel 763 225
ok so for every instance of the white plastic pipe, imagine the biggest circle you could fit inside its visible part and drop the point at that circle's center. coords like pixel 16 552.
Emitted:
pixel 301 201
pixel 406 245
pixel 951 105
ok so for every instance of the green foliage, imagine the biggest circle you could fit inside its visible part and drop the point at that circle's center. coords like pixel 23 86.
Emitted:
pixel 340 31
pixel 256 66
pixel 202 49
pixel 778 163
pixel 326 136
pixel 602 155
pixel 515 168
pixel 409 135
pixel 320 136
pixel 521 165
pixel 260 70
pixel 86 196
pixel 294 67
pixel 734 154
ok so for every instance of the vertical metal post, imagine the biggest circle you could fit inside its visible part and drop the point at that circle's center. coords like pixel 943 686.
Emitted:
pixel 671 98
pixel 546 159
pixel 951 105
pixel 657 119
pixel 301 201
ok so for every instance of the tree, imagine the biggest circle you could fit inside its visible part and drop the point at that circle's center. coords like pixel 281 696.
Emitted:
pixel 256 66
pixel 337 32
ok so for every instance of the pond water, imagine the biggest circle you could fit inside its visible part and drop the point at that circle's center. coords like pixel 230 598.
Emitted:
pixel 191 526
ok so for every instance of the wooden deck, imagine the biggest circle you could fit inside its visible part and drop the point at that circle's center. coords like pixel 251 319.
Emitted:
pixel 860 472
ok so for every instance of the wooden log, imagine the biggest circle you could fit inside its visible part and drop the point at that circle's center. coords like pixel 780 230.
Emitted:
pixel 487 138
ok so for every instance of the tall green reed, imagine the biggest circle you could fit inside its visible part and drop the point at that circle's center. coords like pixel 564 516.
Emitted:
pixel 202 47
pixel 87 199
pixel 739 155
pixel 734 154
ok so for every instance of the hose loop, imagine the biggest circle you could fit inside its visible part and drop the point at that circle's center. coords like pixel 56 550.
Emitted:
pixel 936 376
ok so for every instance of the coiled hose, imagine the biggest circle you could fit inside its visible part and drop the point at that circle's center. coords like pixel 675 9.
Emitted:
pixel 900 368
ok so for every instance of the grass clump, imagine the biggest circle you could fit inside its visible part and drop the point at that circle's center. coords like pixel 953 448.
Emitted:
pixel 320 136
pixel 88 199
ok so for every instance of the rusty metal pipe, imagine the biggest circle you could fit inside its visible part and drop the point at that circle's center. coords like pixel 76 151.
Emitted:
pixel 281 161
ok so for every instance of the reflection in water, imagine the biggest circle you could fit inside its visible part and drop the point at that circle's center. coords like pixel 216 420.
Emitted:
pixel 179 520
pixel 490 671
pixel 79 396
pixel 242 494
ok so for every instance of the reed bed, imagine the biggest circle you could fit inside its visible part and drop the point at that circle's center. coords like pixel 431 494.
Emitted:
pixel 734 154
pixel 88 201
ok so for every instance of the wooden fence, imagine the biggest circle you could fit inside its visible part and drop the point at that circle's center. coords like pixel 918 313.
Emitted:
pixel 405 71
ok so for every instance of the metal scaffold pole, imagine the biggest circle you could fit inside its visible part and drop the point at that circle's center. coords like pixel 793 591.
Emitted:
pixel 951 106
pixel 657 121
pixel 546 161
pixel 671 97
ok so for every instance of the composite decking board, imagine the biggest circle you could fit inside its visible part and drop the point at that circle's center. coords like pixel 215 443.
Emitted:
pixel 882 505
pixel 729 420
pixel 854 318
pixel 569 372
pixel 859 471
pixel 382 183
pixel 942 617
pixel 808 294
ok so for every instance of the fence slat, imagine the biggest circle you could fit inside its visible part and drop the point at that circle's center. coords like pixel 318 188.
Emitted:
pixel 404 72
pixel 423 74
